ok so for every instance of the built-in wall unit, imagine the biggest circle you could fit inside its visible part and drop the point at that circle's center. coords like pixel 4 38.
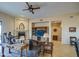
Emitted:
pixel 21 27
pixel 39 29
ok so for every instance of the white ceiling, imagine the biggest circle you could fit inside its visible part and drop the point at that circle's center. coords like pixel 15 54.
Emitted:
pixel 47 9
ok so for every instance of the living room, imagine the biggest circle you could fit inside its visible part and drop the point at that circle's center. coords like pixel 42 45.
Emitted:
pixel 34 25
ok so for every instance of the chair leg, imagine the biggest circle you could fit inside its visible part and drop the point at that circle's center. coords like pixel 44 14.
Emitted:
pixel 51 54
pixel 9 50
pixel 21 53
pixel 3 52
pixel 43 53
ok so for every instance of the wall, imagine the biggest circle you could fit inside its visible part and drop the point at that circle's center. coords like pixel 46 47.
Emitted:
pixel 46 23
pixel 7 22
pixel 56 26
pixel 39 24
pixel 66 22
pixel 69 22
pixel 18 21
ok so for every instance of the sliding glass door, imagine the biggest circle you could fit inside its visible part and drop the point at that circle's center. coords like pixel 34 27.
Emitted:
pixel 0 31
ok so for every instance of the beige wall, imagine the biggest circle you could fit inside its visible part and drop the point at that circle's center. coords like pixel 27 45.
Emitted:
pixel 7 22
pixel 56 26
pixel 66 22
pixel 58 32
pixel 69 22
pixel 39 24
pixel 18 21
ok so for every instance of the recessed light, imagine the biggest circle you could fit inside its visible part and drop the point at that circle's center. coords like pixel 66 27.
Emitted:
pixel 71 16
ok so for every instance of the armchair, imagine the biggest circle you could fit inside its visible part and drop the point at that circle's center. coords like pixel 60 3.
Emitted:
pixel 77 47
pixel 72 40
pixel 48 48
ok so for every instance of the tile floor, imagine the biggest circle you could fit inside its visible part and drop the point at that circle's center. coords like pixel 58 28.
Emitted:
pixel 59 50
pixel 63 50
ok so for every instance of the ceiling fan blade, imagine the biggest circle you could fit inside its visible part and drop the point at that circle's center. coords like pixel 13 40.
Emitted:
pixel 27 4
pixel 36 8
pixel 32 12
pixel 25 9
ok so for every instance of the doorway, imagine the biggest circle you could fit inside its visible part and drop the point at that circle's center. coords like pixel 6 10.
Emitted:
pixel 56 31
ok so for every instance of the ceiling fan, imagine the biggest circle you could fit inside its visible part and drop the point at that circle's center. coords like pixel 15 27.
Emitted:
pixel 31 8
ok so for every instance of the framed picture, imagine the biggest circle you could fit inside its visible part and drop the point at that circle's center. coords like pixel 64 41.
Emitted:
pixel 72 29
